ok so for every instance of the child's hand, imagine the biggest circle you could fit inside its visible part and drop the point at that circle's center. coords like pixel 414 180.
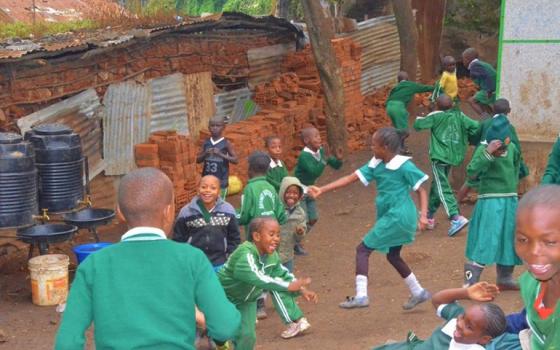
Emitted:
pixel 298 284
pixel 483 291
pixel 423 222
pixel 200 319
pixel 300 230
pixel 493 146
pixel 339 153
pixel 314 191
pixel 309 295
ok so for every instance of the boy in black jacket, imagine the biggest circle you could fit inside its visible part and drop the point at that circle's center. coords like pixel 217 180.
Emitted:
pixel 209 223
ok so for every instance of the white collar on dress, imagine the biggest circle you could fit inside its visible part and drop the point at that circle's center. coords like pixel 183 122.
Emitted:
pixel 274 164
pixel 448 329
pixel 154 232
pixel 316 155
pixel 393 164
pixel 214 143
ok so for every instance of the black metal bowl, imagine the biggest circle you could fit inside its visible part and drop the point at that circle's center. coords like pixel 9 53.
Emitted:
pixel 89 217
pixel 47 233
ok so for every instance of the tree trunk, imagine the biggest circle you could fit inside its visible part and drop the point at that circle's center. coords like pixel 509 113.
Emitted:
pixel 282 8
pixel 320 27
pixel 429 22
pixel 408 36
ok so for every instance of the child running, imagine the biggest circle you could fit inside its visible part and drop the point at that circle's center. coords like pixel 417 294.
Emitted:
pixel 447 83
pixel 293 231
pixel 396 221
pixel 483 75
pixel 467 329
pixel 450 130
pixel 255 267
pixel 537 242
pixel 490 238
pixel 217 153
pixel 208 223
pixel 277 170
pixel 552 172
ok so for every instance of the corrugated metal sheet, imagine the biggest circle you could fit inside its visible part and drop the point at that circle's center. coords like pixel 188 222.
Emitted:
pixel 83 114
pixel 236 104
pixel 168 104
pixel 379 39
pixel 265 63
pixel 126 123
pixel 199 90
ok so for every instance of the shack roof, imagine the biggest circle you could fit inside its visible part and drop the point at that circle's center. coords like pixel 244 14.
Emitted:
pixel 13 50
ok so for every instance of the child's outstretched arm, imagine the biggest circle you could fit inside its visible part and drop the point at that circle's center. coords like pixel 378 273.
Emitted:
pixel 315 191
pixel 481 291
pixel 423 199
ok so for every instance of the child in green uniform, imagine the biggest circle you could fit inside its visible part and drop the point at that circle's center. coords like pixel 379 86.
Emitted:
pixel 310 166
pixel 254 267
pixel 396 176
pixel 141 293
pixel 399 98
pixel 490 237
pixel 293 231
pixel 484 75
pixel 552 171
pixel 277 170
pixel 468 329
pixel 448 144
pixel 447 83
pixel 537 243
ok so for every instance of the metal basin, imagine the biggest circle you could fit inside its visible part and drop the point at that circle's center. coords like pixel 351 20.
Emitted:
pixel 89 217
pixel 47 233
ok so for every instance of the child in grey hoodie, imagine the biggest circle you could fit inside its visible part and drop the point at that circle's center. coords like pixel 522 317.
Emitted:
pixel 293 231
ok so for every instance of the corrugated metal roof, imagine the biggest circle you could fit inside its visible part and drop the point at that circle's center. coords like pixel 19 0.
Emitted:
pixel 83 114
pixel 265 63
pixel 378 76
pixel 236 104
pixel 168 104
pixel 126 123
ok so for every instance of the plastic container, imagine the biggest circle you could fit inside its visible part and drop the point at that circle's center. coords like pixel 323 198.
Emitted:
pixel 49 279
pixel 84 250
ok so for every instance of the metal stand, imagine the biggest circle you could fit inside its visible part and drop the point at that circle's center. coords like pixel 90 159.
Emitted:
pixel 43 248
pixel 93 231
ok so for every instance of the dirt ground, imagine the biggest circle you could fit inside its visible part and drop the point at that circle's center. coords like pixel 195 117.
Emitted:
pixel 345 215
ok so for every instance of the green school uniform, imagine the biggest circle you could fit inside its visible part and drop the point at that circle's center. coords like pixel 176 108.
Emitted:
pixel 398 100
pixel 492 227
pixel 450 131
pixel 141 294
pixel 244 277
pixel 260 199
pixel 397 216
pixel 483 75
pixel 552 171
pixel 276 172
pixel 546 333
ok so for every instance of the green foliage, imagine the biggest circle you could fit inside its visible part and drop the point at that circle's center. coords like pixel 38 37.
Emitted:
pixel 24 30
pixel 250 7
pixel 154 7
pixel 476 15
pixel 198 7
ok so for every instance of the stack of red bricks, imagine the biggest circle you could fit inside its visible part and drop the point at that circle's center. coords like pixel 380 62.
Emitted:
pixel 175 155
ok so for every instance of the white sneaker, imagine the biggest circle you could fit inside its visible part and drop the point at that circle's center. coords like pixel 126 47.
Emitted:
pixel 296 328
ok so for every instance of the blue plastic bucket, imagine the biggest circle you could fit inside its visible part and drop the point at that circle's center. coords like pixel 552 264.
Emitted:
pixel 84 250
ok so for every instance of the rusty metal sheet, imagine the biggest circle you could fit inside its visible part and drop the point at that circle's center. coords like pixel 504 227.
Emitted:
pixel 168 107
pixel 126 123
pixel 83 114
pixel 265 63
pixel 199 89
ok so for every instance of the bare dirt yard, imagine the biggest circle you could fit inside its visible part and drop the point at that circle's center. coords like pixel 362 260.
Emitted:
pixel 345 215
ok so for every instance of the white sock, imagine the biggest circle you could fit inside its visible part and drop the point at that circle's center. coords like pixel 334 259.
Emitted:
pixel 413 284
pixel 361 286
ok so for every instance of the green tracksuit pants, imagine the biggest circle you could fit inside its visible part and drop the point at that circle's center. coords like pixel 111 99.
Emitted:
pixel 396 110
pixel 441 191
pixel 286 307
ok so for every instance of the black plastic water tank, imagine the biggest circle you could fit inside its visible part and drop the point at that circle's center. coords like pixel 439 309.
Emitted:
pixel 58 155
pixel 18 181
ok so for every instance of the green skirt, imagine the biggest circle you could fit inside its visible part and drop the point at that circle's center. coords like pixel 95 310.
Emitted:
pixel 491 232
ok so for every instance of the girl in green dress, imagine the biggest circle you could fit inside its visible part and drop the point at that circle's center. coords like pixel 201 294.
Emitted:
pixel 396 176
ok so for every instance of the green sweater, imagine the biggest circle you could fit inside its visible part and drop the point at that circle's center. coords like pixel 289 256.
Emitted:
pixel 276 173
pixel 552 171
pixel 498 176
pixel 451 131
pixel 309 168
pixel 246 274
pixel 546 333
pixel 141 294
pixel 260 199
pixel 405 90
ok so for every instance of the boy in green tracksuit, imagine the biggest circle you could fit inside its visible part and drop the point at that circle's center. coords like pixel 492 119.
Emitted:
pixel 141 293
pixel 483 75
pixel 399 98
pixel 255 267
pixel 277 170
pixel 451 130
pixel 310 166
pixel 552 171
pixel 259 196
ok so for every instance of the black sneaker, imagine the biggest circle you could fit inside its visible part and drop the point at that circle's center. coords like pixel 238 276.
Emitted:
pixel 298 250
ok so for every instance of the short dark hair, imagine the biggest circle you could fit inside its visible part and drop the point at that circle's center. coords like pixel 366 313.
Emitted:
pixel 392 138
pixel 541 196
pixel 501 106
pixel 257 223
pixel 495 320
pixel 268 140
pixel 259 162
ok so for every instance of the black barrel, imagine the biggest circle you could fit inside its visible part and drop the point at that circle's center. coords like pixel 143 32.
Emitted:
pixel 18 181
pixel 59 160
